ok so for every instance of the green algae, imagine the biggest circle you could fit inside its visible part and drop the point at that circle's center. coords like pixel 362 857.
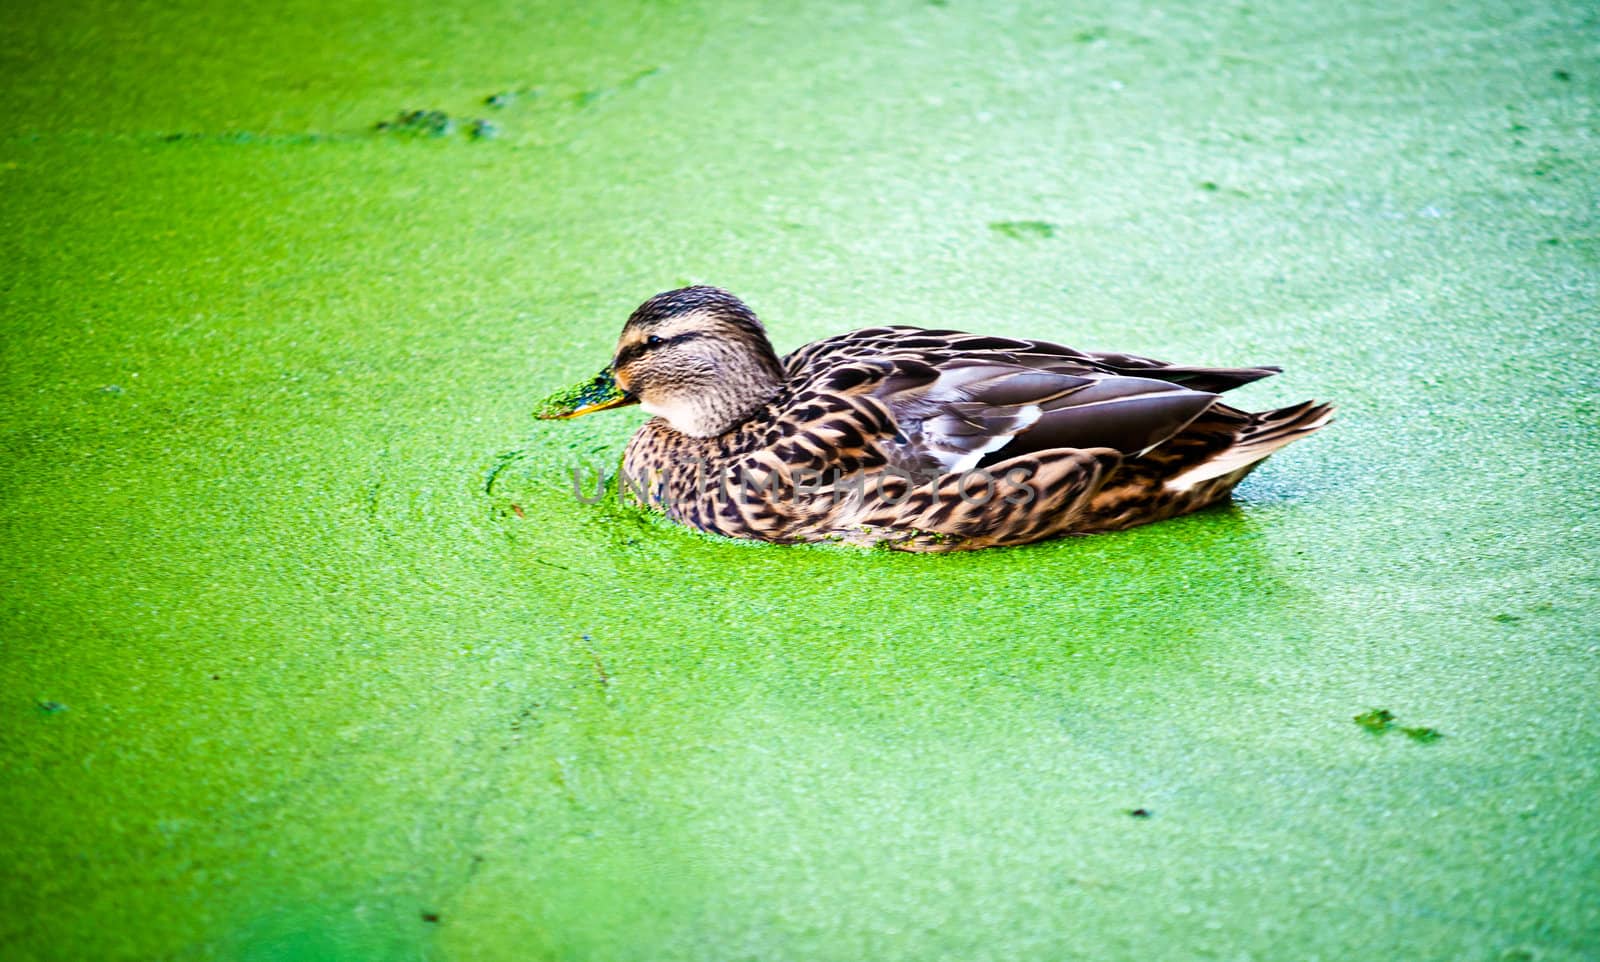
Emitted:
pixel 1024 229
pixel 1381 720
pixel 437 123
pixel 1422 733
pixel 1376 721
pixel 597 392
pixel 353 675
pixel 419 123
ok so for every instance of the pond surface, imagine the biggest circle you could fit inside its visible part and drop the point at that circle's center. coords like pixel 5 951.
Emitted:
pixel 308 651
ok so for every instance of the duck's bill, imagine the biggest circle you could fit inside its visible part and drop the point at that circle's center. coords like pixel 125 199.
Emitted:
pixel 596 394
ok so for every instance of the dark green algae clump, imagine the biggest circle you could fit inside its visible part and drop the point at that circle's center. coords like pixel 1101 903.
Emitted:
pixel 600 391
pixel 1381 720
pixel 434 123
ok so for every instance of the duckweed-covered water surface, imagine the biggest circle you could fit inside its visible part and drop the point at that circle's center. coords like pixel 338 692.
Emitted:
pixel 308 651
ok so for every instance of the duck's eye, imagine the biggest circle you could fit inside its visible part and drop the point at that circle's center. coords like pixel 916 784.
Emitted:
pixel 653 341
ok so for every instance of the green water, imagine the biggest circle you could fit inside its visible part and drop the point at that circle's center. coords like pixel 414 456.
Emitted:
pixel 283 676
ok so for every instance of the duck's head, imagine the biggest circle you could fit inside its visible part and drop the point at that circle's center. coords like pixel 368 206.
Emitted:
pixel 696 356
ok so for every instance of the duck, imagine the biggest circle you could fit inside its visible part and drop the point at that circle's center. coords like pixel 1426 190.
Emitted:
pixel 915 439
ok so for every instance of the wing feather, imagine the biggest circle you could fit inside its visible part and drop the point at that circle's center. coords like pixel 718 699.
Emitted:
pixel 957 401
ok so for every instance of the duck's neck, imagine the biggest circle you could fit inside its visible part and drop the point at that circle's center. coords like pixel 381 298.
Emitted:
pixel 687 465
pixel 745 383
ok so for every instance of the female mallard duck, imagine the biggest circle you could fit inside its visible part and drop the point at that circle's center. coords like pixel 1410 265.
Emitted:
pixel 914 439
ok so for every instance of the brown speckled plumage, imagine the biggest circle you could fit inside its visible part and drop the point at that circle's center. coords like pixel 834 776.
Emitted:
pixel 891 436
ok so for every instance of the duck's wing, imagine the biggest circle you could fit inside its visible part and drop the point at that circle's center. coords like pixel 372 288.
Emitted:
pixel 1050 356
pixel 955 401
pixel 938 346
pixel 1211 379
pixel 964 413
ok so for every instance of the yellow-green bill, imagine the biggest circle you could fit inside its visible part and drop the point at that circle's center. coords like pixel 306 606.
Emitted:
pixel 596 394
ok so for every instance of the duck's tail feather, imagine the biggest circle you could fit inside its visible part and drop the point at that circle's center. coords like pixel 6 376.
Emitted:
pixel 1212 380
pixel 1266 433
